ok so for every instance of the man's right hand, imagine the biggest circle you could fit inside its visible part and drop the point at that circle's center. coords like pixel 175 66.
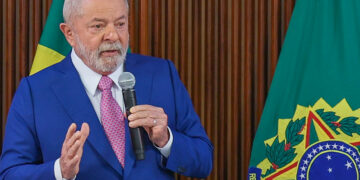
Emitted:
pixel 72 150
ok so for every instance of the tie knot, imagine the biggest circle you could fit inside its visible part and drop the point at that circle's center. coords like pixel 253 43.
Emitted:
pixel 105 83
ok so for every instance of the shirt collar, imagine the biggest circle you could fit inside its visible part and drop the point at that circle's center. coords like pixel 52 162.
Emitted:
pixel 90 78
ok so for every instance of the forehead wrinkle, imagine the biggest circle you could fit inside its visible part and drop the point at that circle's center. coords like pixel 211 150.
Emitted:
pixel 105 7
pixel 104 13
pixel 74 8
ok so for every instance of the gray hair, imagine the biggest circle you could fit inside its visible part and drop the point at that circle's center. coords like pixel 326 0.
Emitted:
pixel 73 8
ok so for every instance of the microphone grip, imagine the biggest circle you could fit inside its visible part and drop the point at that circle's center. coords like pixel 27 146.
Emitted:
pixel 136 133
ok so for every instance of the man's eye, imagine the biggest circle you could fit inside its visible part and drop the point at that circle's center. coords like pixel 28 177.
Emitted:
pixel 97 26
pixel 120 24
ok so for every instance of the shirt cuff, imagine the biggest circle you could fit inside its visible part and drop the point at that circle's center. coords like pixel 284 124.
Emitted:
pixel 57 171
pixel 165 151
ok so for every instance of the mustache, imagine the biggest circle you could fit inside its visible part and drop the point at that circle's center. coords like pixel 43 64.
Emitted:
pixel 116 46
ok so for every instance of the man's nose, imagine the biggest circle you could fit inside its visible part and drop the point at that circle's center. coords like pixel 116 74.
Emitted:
pixel 111 34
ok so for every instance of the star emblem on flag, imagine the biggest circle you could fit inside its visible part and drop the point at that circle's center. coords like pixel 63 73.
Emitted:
pixel 319 142
pixel 330 163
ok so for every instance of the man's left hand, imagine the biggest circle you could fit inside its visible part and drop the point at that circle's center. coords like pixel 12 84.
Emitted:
pixel 154 120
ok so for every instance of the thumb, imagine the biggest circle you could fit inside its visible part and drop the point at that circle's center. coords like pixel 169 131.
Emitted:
pixel 147 129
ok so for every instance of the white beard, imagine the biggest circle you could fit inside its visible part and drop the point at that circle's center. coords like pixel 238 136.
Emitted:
pixel 102 64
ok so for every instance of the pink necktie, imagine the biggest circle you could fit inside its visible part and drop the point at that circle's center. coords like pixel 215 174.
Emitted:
pixel 112 119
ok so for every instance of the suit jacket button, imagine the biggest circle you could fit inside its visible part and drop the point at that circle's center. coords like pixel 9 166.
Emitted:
pixel 181 170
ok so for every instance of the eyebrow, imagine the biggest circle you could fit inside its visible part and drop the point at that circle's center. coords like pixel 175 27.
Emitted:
pixel 98 19
pixel 120 18
pixel 103 20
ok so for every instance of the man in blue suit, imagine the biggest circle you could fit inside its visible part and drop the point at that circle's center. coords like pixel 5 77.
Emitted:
pixel 43 138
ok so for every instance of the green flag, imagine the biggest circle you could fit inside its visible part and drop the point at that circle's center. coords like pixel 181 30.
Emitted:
pixel 53 46
pixel 310 126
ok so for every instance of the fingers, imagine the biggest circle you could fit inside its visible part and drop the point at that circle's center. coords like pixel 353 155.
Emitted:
pixel 153 119
pixel 76 136
pixel 72 149
pixel 147 119
pixel 145 108
pixel 145 122
pixel 147 116
pixel 70 132
pixel 85 130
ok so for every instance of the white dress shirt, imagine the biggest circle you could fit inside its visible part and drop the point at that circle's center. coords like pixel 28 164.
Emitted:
pixel 90 80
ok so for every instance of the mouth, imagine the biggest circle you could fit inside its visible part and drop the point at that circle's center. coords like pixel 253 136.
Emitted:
pixel 109 53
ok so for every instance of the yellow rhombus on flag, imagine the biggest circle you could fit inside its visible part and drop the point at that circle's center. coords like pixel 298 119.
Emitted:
pixel 53 46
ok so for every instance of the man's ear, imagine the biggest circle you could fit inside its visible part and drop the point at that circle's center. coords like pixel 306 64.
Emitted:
pixel 68 33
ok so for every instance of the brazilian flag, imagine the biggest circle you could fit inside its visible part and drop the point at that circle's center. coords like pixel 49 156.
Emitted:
pixel 310 126
pixel 53 46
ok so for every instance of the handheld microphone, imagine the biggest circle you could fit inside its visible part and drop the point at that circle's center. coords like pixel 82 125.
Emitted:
pixel 127 83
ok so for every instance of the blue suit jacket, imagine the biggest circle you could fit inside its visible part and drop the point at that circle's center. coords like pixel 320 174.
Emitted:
pixel 46 103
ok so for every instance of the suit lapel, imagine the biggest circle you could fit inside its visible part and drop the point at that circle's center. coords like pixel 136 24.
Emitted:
pixel 72 95
pixel 143 92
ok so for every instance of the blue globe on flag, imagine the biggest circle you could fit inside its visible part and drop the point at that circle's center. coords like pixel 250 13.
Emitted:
pixel 329 160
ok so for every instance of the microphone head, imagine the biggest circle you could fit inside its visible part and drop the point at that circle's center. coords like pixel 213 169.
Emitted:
pixel 127 80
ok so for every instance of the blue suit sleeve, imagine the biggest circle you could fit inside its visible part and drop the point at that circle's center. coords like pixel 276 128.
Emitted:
pixel 21 155
pixel 191 152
